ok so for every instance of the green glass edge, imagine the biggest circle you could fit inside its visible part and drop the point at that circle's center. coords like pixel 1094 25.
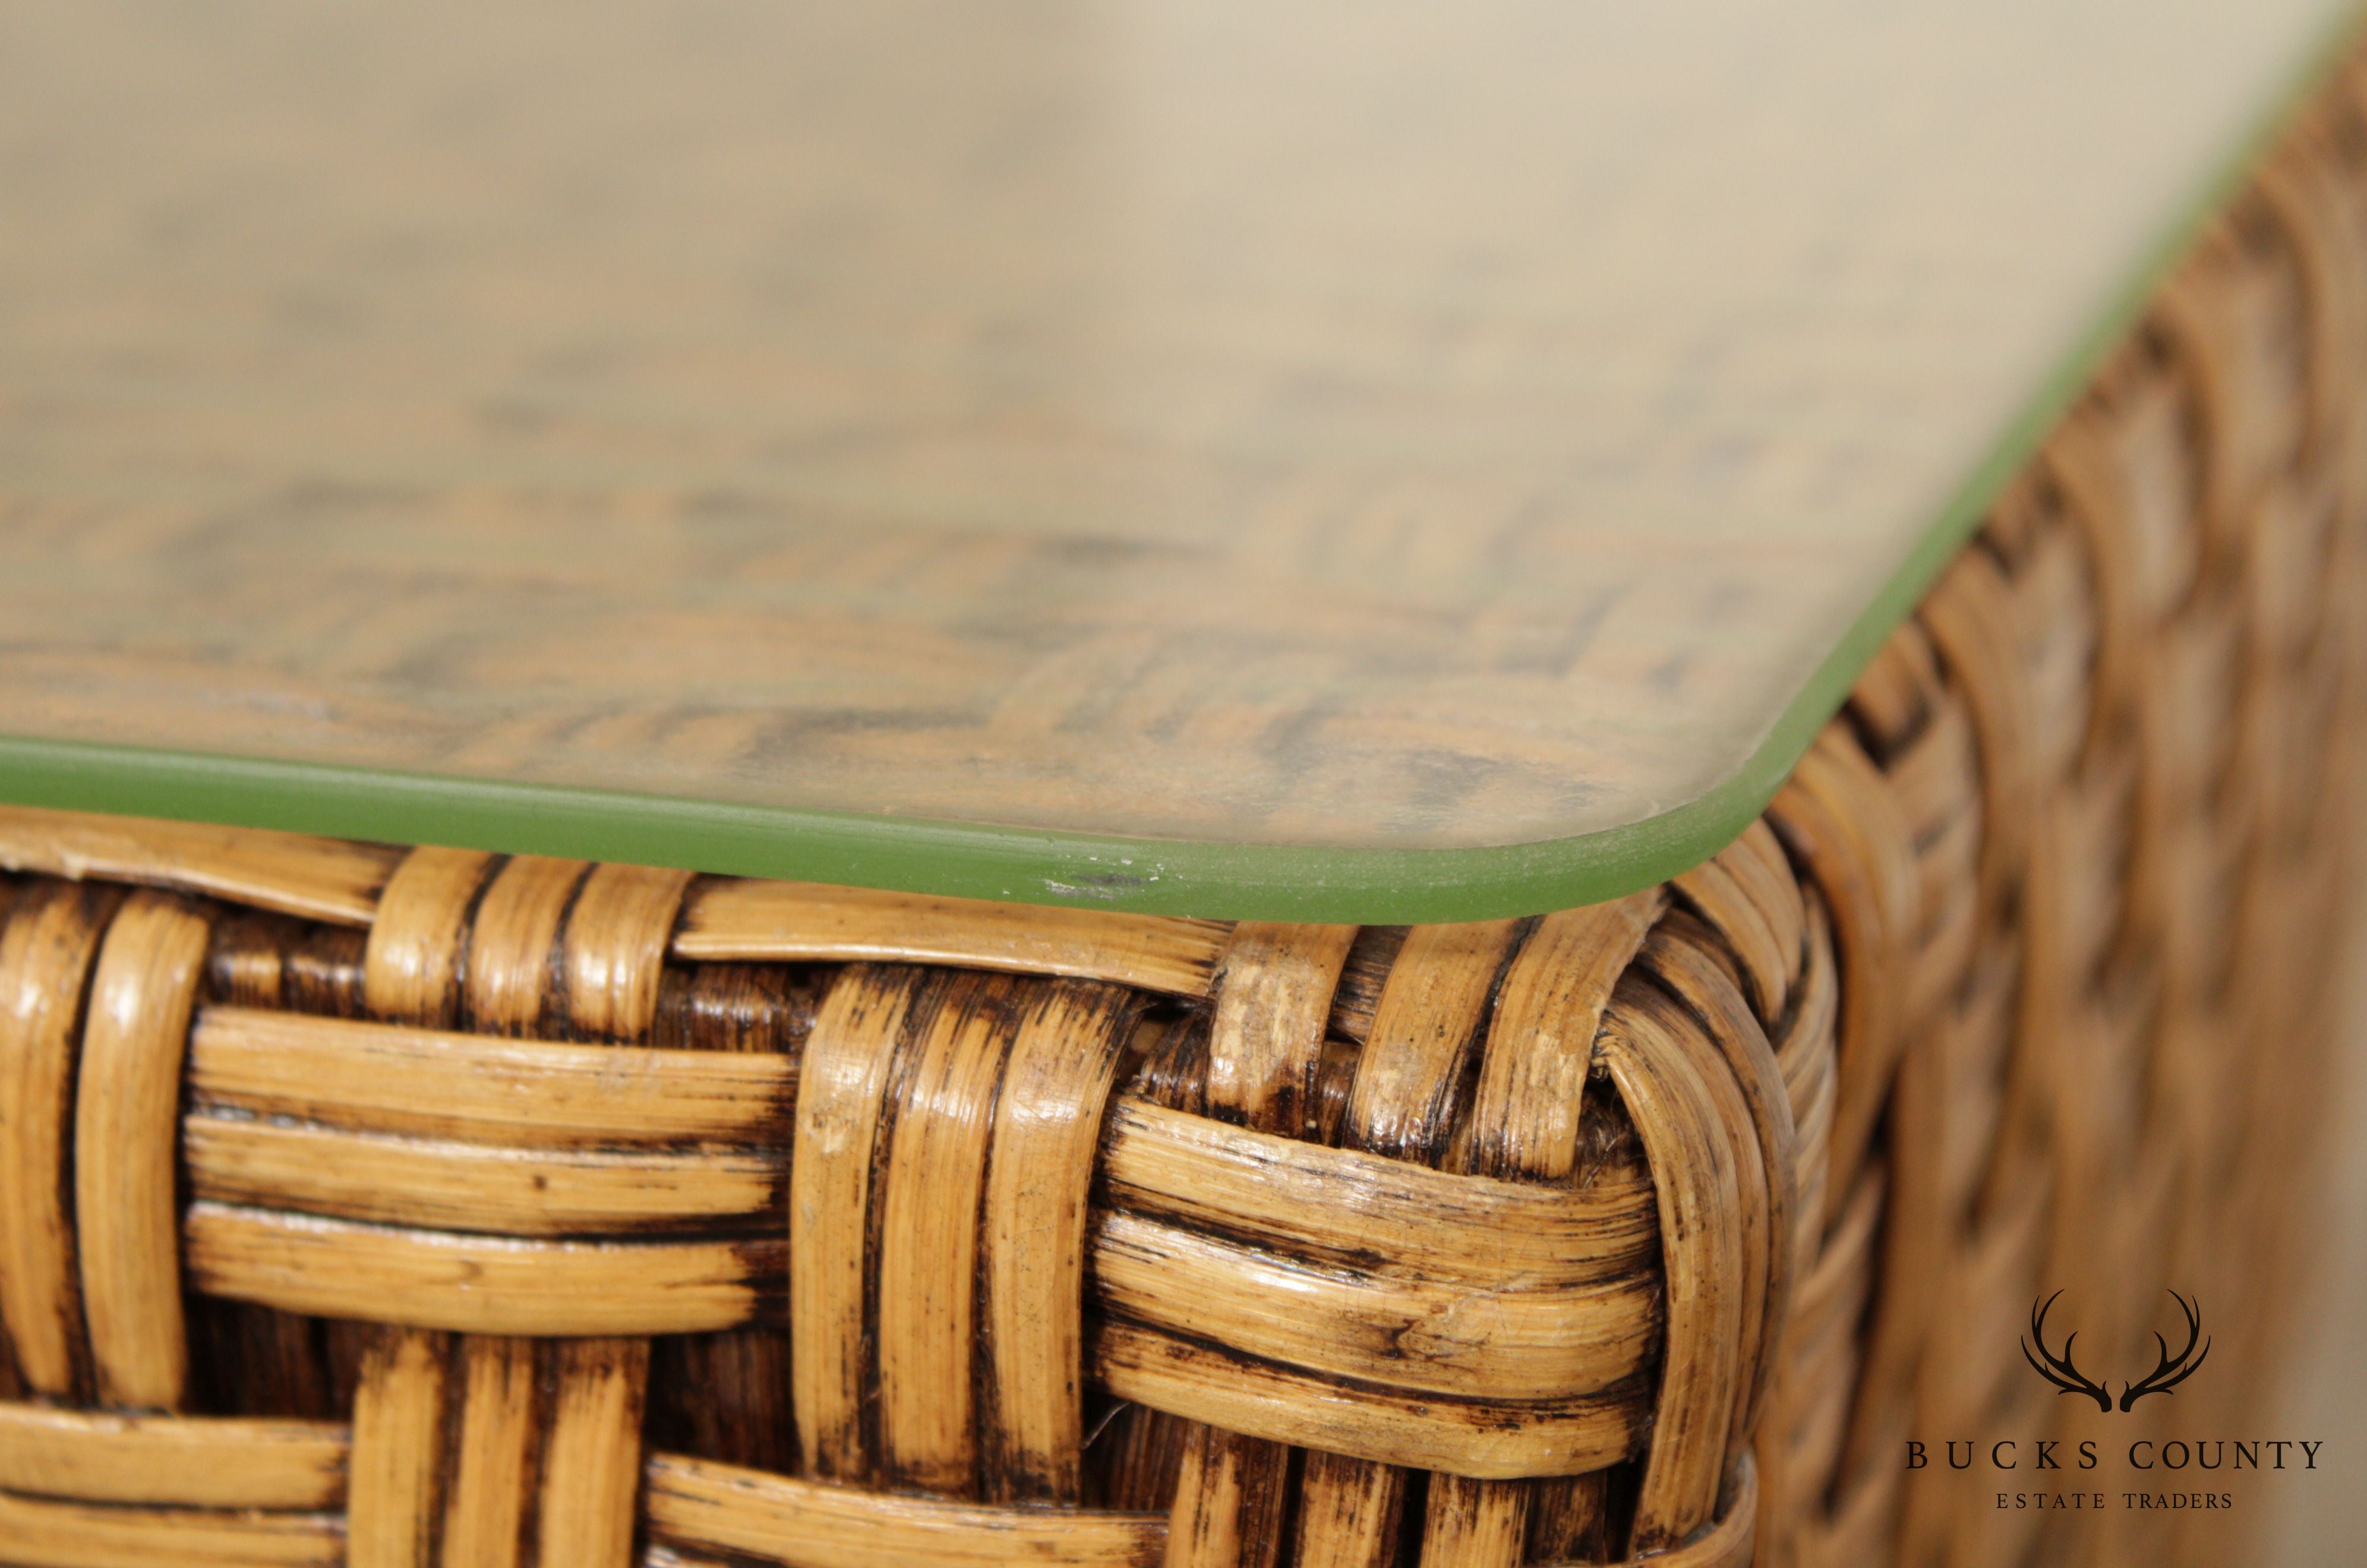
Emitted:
pixel 1236 881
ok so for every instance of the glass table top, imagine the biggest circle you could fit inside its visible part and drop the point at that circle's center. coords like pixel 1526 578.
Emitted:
pixel 1293 459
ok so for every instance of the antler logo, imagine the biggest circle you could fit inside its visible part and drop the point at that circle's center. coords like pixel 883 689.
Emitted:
pixel 2172 1370
pixel 2058 1369
pixel 2167 1375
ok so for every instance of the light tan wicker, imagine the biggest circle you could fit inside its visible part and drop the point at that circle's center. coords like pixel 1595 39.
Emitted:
pixel 401 1206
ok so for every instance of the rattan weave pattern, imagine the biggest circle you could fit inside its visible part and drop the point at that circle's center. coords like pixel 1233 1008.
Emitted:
pixel 397 1207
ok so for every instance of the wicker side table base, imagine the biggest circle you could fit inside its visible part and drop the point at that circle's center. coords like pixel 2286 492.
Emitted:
pixel 383 1206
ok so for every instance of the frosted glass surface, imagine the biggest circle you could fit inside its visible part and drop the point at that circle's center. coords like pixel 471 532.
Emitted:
pixel 1360 426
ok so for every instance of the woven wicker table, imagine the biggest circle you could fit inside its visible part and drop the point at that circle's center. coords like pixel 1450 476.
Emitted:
pixel 1225 785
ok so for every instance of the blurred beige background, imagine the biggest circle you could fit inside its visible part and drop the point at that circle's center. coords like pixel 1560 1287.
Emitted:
pixel 2324 1524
